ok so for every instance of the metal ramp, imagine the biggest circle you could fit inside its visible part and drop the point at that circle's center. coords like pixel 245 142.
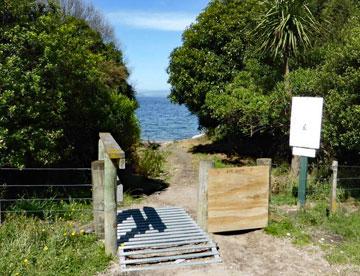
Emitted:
pixel 156 238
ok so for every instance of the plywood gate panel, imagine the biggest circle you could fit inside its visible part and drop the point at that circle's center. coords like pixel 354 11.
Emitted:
pixel 238 198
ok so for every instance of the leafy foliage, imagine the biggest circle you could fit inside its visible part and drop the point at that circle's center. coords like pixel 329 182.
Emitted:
pixel 212 54
pixel 151 161
pixel 246 100
pixel 286 27
pixel 60 84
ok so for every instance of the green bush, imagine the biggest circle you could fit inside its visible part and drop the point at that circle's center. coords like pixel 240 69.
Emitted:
pixel 151 162
pixel 241 95
pixel 60 85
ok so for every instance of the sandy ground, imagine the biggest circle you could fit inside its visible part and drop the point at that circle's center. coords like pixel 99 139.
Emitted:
pixel 252 253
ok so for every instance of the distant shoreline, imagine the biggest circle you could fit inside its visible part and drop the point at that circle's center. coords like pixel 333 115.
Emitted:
pixel 165 142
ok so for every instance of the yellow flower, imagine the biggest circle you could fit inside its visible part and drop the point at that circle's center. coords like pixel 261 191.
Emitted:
pixel 17 273
pixel 82 231
pixel 65 234
pixel 26 262
pixel 46 248
pixel 43 230
pixel 73 233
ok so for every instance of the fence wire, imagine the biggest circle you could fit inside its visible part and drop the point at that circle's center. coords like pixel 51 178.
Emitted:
pixel 348 180
pixel 42 190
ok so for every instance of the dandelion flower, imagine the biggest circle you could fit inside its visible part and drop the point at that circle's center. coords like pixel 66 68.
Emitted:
pixel 65 234
pixel 46 248
pixel 73 233
pixel 26 261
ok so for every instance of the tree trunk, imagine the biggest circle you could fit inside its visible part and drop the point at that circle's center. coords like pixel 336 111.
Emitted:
pixel 295 166
pixel 295 161
pixel 286 75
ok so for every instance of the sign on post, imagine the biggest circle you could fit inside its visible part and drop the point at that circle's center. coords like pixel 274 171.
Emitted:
pixel 305 132
pixel 305 125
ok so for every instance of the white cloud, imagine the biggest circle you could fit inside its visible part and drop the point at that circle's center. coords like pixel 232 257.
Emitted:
pixel 164 21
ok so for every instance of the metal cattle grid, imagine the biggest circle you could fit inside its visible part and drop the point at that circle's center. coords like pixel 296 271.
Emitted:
pixel 156 238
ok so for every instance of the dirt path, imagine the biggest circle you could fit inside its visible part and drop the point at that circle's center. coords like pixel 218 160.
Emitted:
pixel 252 253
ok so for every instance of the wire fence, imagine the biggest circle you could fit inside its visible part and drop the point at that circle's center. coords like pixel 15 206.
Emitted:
pixel 44 191
pixel 348 180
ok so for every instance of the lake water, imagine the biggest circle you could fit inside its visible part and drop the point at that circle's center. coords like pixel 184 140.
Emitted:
pixel 161 120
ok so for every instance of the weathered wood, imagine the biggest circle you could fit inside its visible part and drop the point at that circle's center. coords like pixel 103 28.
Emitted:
pixel 238 198
pixel 263 162
pixel 113 156
pixel 120 193
pixel 97 177
pixel 111 148
pixel 266 162
pixel 110 206
pixel 333 204
pixel 202 196
pixel 100 150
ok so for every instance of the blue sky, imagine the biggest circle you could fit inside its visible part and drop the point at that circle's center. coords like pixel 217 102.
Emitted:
pixel 148 30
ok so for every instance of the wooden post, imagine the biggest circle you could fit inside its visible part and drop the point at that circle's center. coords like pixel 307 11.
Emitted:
pixel 112 154
pixel 101 150
pixel 97 177
pixel 266 162
pixel 202 196
pixel 110 208
pixel 302 181
pixel 333 206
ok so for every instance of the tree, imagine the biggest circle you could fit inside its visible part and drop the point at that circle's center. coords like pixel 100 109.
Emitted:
pixel 213 52
pixel 90 14
pixel 284 30
pixel 60 84
pixel 236 84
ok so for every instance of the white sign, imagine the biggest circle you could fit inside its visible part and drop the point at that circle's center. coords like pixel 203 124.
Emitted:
pixel 304 152
pixel 305 127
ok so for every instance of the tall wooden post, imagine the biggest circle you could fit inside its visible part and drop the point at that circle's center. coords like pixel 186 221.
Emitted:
pixel 97 177
pixel 110 209
pixel 333 206
pixel 202 196
pixel 302 181
pixel 113 158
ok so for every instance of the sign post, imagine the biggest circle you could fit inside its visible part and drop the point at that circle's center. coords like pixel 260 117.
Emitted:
pixel 302 180
pixel 305 131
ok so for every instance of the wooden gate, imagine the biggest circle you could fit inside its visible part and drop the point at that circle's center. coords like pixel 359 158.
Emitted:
pixel 238 198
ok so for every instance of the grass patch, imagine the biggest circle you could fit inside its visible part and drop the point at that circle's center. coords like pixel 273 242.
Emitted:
pixel 286 198
pixel 338 235
pixel 286 228
pixel 129 199
pixel 54 246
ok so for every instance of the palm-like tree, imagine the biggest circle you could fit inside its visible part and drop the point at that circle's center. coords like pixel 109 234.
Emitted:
pixel 286 29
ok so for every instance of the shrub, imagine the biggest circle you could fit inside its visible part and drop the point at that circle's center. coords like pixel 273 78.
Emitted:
pixel 151 161
pixel 60 85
